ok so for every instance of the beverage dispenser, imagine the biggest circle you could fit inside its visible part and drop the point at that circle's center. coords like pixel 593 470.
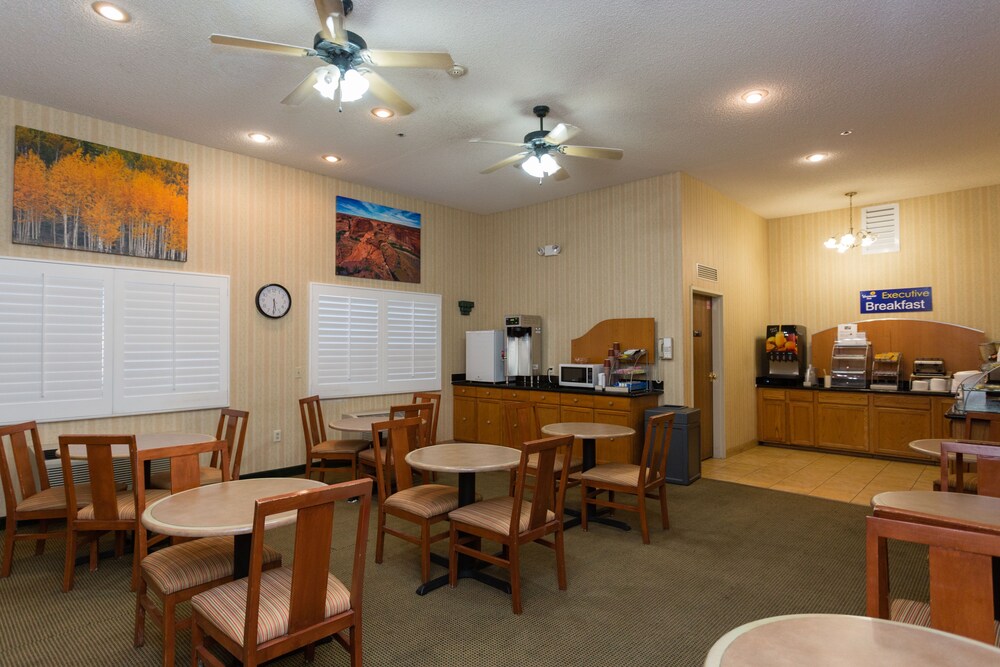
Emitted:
pixel 785 349
pixel 523 352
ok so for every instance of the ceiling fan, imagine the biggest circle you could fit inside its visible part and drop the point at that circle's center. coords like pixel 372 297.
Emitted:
pixel 538 147
pixel 346 76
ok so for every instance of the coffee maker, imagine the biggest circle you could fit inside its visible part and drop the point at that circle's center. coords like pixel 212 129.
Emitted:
pixel 523 350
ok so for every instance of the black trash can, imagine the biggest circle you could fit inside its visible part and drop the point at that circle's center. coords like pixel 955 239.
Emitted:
pixel 684 461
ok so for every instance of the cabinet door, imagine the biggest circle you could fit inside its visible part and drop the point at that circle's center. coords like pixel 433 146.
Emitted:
pixel 568 413
pixel 842 421
pixel 898 420
pixel 464 422
pixel 771 416
pixel 547 414
pixel 488 421
pixel 941 426
pixel 615 450
pixel 801 419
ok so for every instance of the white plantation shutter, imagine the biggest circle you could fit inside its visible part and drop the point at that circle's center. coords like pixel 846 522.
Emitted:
pixel 55 344
pixel 366 342
pixel 173 341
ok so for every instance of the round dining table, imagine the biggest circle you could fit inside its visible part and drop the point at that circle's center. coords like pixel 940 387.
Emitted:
pixel 839 640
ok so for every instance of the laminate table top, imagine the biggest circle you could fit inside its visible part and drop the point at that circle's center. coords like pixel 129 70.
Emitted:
pixel 145 441
pixel 932 446
pixel 466 457
pixel 358 424
pixel 958 510
pixel 837 640
pixel 588 430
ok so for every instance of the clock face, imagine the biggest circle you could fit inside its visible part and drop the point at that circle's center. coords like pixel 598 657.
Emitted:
pixel 273 301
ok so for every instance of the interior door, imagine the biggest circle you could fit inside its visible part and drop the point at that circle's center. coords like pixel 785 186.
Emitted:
pixel 703 368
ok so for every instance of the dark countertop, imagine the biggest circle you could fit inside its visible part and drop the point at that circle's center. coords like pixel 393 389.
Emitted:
pixel 787 384
pixel 546 386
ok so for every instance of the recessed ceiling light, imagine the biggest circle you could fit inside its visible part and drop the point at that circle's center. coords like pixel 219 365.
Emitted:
pixel 846 132
pixel 754 96
pixel 331 158
pixel 817 157
pixel 382 112
pixel 111 12
pixel 259 137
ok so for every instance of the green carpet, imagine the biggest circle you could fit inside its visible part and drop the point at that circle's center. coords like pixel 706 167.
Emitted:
pixel 733 554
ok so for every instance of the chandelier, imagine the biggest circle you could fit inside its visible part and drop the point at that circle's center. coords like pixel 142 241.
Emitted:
pixel 850 239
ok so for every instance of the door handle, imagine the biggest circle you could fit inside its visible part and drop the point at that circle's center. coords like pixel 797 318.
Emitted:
pixel 712 377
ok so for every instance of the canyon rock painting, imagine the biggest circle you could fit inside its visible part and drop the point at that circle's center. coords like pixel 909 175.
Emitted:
pixel 377 242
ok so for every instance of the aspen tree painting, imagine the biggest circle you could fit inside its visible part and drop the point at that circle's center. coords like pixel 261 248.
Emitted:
pixel 80 195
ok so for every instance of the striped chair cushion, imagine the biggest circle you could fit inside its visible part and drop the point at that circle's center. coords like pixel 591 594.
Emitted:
pixel 368 456
pixel 225 606
pixel 54 498
pixel 126 504
pixel 426 500
pixel 194 563
pixel 341 447
pixel 494 514
pixel 574 464
pixel 919 613
pixel 624 474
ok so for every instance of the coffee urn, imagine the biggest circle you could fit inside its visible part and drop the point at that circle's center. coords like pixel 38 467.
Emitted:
pixel 523 351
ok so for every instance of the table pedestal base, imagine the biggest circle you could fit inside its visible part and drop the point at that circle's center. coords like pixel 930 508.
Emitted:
pixel 594 514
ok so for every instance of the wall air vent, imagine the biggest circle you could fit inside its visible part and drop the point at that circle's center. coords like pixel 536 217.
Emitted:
pixel 883 222
pixel 708 273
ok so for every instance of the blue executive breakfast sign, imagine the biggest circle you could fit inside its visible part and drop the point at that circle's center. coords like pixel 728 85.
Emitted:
pixel 907 299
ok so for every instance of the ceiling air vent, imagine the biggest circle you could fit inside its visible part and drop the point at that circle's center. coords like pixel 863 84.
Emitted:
pixel 883 222
pixel 708 273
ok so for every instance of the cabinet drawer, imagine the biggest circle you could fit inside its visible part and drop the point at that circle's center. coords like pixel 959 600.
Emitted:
pixel 612 403
pixel 488 392
pixel 577 400
pixel 772 394
pixel 904 402
pixel 544 397
pixel 468 392
pixel 515 395
pixel 801 395
pixel 842 398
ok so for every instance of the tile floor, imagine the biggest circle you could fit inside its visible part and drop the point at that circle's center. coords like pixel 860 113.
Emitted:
pixel 835 476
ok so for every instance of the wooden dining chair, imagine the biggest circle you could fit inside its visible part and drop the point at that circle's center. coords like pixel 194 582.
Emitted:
pixel 422 410
pixel 110 509
pixel 274 612
pixel 434 398
pixel 516 520
pixel 520 424
pixel 27 500
pixel 176 573
pixel 987 475
pixel 646 480
pixel 420 504
pixel 320 452
pixel 961 578
pixel 232 428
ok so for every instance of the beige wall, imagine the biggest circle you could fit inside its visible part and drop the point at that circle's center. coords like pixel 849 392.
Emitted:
pixel 259 222
pixel 722 234
pixel 948 241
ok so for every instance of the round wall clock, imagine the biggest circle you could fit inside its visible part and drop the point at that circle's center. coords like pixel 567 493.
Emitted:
pixel 273 301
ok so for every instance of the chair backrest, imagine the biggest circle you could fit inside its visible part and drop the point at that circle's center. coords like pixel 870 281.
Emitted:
pixel 402 437
pixel 434 399
pixel 184 475
pixel 425 411
pixel 21 484
pixel 987 465
pixel 520 423
pixel 313 537
pixel 100 467
pixel 653 462
pixel 233 429
pixel 545 495
pixel 956 559
pixel 313 427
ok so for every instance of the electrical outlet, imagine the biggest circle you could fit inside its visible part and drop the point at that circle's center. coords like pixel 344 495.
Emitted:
pixel 277 435
pixel 298 372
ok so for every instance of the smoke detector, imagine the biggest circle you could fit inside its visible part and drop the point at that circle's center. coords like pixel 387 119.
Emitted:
pixel 457 70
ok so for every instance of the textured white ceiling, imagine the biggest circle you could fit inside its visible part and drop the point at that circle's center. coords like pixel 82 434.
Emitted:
pixel 914 80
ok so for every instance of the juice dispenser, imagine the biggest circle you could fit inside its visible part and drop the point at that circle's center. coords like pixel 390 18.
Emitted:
pixel 785 350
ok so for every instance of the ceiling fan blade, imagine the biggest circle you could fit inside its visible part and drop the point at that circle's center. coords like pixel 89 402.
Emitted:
pixel 286 49
pixel 561 133
pixel 503 163
pixel 592 151
pixel 331 17
pixel 424 59
pixel 381 89
pixel 561 175
pixel 500 143
pixel 303 90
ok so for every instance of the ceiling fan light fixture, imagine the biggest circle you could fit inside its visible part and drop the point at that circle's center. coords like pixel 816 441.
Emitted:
pixel 111 12
pixel 533 166
pixel 327 82
pixel 352 86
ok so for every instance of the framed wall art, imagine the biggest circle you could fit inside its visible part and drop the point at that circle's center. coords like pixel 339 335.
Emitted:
pixel 377 242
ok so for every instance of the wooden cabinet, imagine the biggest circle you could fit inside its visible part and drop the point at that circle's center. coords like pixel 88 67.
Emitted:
pixel 488 415
pixel 941 426
pixel 465 418
pixel 898 420
pixel 546 406
pixel 771 416
pixel 801 418
pixel 842 421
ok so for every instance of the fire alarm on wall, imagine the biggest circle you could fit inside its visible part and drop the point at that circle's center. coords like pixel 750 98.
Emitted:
pixel 549 250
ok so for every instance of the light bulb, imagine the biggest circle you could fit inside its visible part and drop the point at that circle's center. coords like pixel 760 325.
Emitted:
pixel 353 86
pixel 847 239
pixel 533 166
pixel 549 165
pixel 843 248
pixel 867 240
pixel 327 82
pixel 831 243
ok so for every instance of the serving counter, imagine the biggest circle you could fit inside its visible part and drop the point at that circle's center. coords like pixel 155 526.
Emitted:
pixel 478 413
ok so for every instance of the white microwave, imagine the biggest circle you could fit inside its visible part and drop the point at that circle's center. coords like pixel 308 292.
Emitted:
pixel 579 375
